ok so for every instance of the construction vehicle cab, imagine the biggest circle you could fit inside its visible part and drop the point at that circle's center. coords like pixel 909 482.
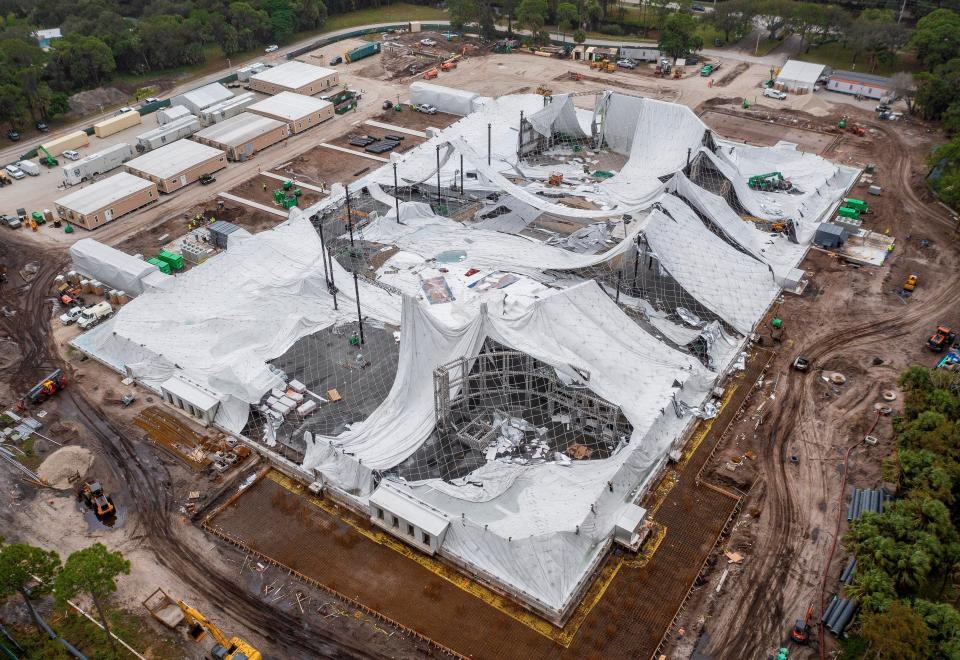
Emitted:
pixel 43 390
pixel 943 338
pixel 911 283
pixel 96 499
pixel 801 629
pixel 223 649
pixel 769 181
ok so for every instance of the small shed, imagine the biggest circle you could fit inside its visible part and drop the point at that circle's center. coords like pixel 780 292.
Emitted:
pixel 190 397
pixel 830 236
pixel 202 97
pixel 799 77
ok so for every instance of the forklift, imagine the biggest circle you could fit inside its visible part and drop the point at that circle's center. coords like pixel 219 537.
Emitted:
pixel 942 339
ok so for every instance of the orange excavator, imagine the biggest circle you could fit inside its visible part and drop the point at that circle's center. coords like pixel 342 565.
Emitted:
pixel 801 629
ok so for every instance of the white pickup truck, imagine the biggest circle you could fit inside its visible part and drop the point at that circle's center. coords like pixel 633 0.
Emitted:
pixel 94 314
pixel 70 316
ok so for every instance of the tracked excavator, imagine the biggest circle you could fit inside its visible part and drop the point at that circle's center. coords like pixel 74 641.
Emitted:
pixel 224 649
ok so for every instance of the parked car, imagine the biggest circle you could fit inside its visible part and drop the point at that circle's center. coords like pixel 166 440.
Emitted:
pixel 150 99
pixel 71 315
pixel 626 63
pixel 14 171
pixel 10 221
pixel 271 48
pixel 124 109
pixel 772 93
pixel 428 42
pixel 42 127
pixel 336 60
pixel 70 154
pixel 698 7
pixel 207 179
pixel 427 109
pixel 13 135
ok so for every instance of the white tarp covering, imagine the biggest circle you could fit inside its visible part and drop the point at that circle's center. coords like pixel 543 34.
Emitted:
pixel 549 520
pixel 110 266
pixel 733 285
pixel 559 116
pixel 445 99
pixel 221 322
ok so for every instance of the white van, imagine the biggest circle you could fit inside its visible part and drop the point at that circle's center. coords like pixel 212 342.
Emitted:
pixel 94 314
pixel 29 167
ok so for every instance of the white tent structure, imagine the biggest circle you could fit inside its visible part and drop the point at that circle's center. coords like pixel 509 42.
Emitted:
pixel 700 277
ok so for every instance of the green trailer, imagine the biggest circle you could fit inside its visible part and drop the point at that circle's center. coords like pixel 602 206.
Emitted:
pixel 366 50
pixel 174 260
pixel 847 212
pixel 858 205
pixel 161 265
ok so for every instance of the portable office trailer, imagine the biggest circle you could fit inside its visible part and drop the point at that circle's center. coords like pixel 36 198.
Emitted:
pixel 98 163
pixel 178 164
pixel 73 140
pixel 299 112
pixel 229 108
pixel 121 122
pixel 295 76
pixel 106 200
pixel 173 113
pixel 168 133
pixel 641 53
pixel 243 74
pixel 860 84
pixel 202 97
pixel 244 135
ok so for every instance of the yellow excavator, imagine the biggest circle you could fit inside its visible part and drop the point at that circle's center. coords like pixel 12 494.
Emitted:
pixel 232 649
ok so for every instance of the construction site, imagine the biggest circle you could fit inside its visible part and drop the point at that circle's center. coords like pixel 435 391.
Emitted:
pixel 480 368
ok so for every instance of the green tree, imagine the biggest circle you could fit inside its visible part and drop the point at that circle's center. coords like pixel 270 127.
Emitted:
pixel 12 104
pixel 899 634
pixel 532 14
pixel 876 34
pixel 19 566
pixel 79 62
pixel 568 16
pixel 732 18
pixel 93 570
pixel 579 36
pixel 679 36
pixel 937 38
pixel 773 15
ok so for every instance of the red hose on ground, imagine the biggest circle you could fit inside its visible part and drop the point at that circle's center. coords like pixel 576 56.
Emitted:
pixel 836 533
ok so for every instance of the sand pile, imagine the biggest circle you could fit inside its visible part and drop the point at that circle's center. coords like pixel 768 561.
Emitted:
pixel 64 463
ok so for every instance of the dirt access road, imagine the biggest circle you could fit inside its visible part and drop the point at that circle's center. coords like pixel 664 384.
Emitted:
pixel 851 321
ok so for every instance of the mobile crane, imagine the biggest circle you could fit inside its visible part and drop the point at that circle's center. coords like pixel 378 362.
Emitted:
pixel 224 649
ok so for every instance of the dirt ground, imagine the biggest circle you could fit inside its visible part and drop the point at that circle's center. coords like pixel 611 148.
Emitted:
pixel 756 131
pixel 408 142
pixel 260 189
pixel 416 120
pixel 327 166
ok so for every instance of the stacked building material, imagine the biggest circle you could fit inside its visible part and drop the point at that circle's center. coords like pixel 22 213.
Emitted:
pixel 863 501
pixel 848 572
pixel 838 614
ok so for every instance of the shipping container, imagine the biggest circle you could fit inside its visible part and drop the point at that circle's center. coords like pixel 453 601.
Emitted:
pixel 168 133
pixel 96 164
pixel 366 50
pixel 174 260
pixel 114 125
pixel 73 140
pixel 847 212
pixel 858 205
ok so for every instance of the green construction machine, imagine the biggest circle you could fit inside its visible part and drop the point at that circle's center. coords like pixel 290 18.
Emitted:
pixel 287 196
pixel 769 181
pixel 47 158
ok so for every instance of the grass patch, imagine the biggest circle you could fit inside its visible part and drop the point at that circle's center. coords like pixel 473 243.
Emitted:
pixel 838 56
pixel 395 13
pixel 90 640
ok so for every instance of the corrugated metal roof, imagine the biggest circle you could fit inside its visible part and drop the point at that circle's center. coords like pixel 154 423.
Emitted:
pixel 862 78
pixel 293 74
pixel 239 130
pixel 289 105
pixel 805 72
pixel 166 162
pixel 103 193
pixel 203 97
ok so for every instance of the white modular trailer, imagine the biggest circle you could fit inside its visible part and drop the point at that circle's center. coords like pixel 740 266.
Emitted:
pixel 96 164
pixel 229 108
pixel 243 75
pixel 641 52
pixel 173 113
pixel 164 135
pixel 202 97
pixel 860 84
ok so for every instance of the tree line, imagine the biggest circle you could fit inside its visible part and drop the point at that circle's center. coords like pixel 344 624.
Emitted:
pixel 908 558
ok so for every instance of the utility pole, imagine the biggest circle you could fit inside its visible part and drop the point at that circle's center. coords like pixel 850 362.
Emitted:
pixel 349 217
pixel 489 129
pixel 323 255
pixel 461 175
pixel 439 201
pixel 356 291
pixel 520 137
pixel 396 192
